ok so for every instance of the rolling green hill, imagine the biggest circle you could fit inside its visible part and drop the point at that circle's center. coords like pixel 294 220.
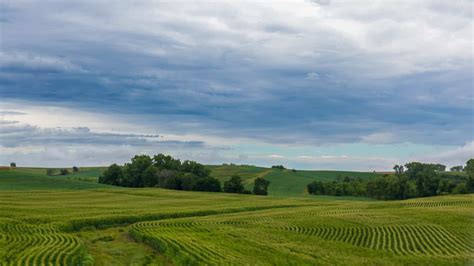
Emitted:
pixel 285 183
pixel 36 178
pixel 61 220
pixel 282 182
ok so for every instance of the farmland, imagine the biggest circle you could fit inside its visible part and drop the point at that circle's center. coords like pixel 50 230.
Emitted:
pixel 286 183
pixel 63 220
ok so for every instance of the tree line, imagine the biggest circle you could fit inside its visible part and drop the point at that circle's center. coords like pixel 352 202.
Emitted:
pixel 412 180
pixel 167 172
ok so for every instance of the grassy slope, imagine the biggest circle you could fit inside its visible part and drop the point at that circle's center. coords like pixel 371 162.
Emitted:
pixel 36 178
pixel 284 183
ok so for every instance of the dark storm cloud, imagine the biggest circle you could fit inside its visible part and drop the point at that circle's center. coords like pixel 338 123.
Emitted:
pixel 313 72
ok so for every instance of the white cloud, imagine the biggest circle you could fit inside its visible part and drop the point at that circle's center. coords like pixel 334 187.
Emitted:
pixel 380 138
pixel 456 156
pixel 18 59
pixel 312 76
pixel 276 156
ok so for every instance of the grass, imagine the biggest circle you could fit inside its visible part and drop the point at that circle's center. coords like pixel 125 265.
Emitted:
pixel 284 183
pixel 62 220
pixel 36 178
pixel 344 233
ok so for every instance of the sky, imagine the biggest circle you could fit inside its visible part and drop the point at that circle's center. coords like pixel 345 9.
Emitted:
pixel 322 84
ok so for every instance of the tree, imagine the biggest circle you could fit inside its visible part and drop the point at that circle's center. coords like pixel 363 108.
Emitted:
pixel 75 169
pixel 440 167
pixel 470 175
pixel 150 177
pixel 445 186
pixel 12 165
pixel 164 175
pixel 162 161
pixel 460 188
pixel 425 176
pixel 261 186
pixel 403 186
pixel 63 171
pixel 457 168
pixel 399 169
pixel 195 168
pixel 278 167
pixel 173 182
pixel 469 167
pixel 112 175
pixel 316 188
pixel 188 180
pixel 208 184
pixel 133 172
pixel 234 185
pixel 49 171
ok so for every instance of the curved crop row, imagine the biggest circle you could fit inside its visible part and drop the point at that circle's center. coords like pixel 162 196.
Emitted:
pixel 38 245
pixel 399 239
pixel 183 246
pixel 431 204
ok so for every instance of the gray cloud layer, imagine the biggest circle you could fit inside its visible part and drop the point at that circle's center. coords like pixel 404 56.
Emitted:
pixel 308 72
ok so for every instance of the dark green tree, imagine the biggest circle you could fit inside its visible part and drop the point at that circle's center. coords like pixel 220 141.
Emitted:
pixel 112 176
pixel 208 184
pixel 133 172
pixel 150 176
pixel 188 180
pixel 316 188
pixel 234 185
pixel 425 176
pixel 440 167
pixel 470 175
pixel 164 175
pixel 261 186
pixel 162 161
pixel 399 169
pixel 75 169
pixel 173 183
pixel 195 168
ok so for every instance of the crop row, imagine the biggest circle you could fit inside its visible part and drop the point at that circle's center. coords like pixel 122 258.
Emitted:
pixel 196 240
pixel 38 245
pixel 401 240
pixel 430 204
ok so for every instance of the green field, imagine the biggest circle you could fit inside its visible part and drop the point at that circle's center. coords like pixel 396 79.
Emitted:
pixel 284 183
pixel 72 221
